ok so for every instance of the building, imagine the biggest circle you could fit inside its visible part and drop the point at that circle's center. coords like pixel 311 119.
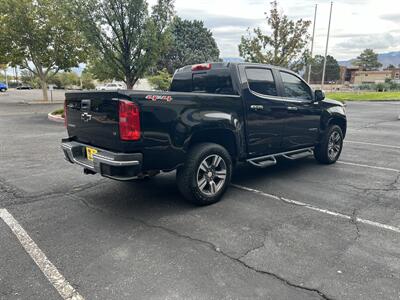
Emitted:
pixel 396 75
pixel 347 74
pixel 367 77
pixel 353 75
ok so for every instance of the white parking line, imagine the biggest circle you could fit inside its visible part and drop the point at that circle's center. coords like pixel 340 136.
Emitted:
pixel 373 144
pixel 62 286
pixel 368 166
pixel 321 210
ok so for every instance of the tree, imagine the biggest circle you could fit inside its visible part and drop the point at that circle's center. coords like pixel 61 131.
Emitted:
pixel 29 78
pixel 332 69
pixel 161 81
pixel 65 79
pixel 191 43
pixel 286 46
pixel 125 40
pixel 368 60
pixel 39 36
pixel 87 80
pixel 3 68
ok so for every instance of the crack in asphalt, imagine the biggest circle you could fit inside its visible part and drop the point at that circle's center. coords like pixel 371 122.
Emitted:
pixel 13 193
pixel 16 193
pixel 209 245
pixel 393 185
pixel 262 245
pixel 10 190
pixel 354 221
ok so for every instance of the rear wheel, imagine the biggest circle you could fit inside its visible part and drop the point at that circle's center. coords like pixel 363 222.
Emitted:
pixel 206 174
pixel 331 145
pixel 2 90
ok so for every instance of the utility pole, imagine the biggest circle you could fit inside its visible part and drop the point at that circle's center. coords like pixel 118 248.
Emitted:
pixel 326 49
pixel 312 42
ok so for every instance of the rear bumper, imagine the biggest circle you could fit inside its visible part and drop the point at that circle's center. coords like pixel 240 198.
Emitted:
pixel 118 166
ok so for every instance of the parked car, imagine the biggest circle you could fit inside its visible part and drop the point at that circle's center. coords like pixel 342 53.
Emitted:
pixel 3 87
pixel 24 86
pixel 111 87
pixel 214 116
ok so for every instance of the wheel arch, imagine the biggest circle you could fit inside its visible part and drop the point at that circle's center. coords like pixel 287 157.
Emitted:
pixel 339 121
pixel 220 136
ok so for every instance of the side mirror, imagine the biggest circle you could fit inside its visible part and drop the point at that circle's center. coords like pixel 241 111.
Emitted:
pixel 319 95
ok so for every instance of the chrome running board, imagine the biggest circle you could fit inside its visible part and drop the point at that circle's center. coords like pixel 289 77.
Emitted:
pixel 270 160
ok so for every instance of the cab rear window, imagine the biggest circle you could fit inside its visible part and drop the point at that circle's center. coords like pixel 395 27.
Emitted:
pixel 217 82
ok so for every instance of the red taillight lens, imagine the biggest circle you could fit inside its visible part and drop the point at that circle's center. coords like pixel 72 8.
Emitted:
pixel 129 121
pixel 65 114
pixel 201 67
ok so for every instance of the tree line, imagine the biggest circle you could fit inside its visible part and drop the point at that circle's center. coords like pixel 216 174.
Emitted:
pixel 117 39
pixel 127 40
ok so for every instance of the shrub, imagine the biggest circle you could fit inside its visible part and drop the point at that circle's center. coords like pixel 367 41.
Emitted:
pixel 161 81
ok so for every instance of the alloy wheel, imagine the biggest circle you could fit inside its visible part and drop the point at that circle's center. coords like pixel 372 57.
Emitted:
pixel 211 175
pixel 334 145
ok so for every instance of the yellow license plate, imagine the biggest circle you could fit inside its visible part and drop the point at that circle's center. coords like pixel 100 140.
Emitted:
pixel 90 152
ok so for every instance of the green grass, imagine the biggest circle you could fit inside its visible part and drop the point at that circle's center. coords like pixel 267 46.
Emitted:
pixel 364 96
pixel 59 112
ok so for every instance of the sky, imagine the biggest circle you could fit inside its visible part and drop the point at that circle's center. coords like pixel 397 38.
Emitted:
pixel 356 24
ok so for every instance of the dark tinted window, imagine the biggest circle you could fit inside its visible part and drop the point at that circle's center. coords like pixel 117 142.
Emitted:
pixel 212 84
pixel 216 81
pixel 261 81
pixel 181 83
pixel 294 87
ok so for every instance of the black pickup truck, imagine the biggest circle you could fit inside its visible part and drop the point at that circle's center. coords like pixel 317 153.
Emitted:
pixel 215 115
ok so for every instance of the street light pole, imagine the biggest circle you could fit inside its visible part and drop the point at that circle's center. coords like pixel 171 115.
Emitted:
pixel 312 43
pixel 326 49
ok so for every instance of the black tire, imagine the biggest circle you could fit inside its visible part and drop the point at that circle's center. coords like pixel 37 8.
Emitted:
pixel 2 90
pixel 191 175
pixel 323 151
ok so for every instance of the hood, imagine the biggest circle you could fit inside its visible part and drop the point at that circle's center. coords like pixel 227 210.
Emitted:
pixel 332 102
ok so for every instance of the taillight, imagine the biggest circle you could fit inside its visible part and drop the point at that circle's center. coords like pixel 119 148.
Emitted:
pixel 201 67
pixel 65 114
pixel 129 121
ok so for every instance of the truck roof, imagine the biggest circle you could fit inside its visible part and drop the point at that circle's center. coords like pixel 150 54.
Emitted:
pixel 224 65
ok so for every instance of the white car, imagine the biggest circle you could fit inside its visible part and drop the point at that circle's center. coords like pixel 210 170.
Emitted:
pixel 111 87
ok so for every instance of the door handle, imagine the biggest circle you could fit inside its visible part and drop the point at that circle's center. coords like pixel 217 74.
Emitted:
pixel 292 108
pixel 256 107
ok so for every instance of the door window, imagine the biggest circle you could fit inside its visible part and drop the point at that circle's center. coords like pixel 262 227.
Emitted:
pixel 294 87
pixel 261 81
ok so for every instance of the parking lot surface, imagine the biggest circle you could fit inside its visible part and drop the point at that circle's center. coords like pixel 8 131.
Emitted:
pixel 298 230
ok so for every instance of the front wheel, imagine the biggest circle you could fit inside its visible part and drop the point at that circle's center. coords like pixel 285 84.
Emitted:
pixel 329 149
pixel 2 90
pixel 206 174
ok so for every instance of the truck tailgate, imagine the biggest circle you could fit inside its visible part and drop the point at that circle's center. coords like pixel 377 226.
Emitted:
pixel 92 118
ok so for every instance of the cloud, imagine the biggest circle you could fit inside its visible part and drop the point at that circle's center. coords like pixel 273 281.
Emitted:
pixel 215 21
pixel 391 17
pixel 374 41
pixel 227 30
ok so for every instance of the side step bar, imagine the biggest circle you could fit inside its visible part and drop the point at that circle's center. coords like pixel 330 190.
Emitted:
pixel 270 160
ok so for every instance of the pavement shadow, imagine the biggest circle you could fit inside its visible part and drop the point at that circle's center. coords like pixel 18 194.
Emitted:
pixel 160 197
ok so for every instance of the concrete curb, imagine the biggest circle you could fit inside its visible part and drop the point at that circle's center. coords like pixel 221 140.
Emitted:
pixel 55 118
pixel 45 103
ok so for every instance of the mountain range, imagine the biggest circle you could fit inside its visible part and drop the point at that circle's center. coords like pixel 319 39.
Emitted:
pixel 386 59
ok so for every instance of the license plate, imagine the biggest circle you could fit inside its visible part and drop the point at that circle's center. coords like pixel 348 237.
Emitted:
pixel 90 152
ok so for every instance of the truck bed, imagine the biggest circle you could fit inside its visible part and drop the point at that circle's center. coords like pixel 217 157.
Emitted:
pixel 167 120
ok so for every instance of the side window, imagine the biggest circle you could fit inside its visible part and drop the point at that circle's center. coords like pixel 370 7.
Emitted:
pixel 261 81
pixel 294 87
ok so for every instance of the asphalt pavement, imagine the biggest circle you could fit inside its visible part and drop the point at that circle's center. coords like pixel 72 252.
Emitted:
pixel 298 230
